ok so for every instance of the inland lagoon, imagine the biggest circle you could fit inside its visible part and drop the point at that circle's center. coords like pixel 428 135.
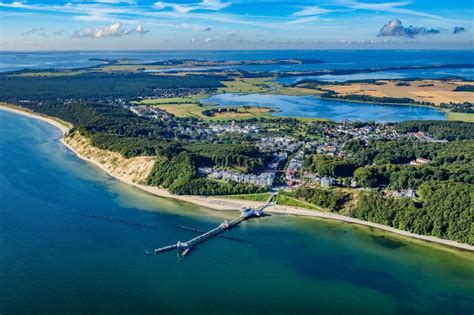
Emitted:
pixel 313 107
pixel 59 255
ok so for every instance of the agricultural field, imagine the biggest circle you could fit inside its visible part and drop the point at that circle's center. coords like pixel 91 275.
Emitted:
pixel 436 92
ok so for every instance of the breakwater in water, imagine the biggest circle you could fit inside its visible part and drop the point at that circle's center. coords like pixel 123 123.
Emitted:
pixel 122 221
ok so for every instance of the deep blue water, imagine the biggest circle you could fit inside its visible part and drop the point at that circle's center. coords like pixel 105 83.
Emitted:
pixel 310 106
pixel 335 59
pixel 53 260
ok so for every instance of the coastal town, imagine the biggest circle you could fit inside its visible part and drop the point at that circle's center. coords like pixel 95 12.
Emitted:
pixel 288 168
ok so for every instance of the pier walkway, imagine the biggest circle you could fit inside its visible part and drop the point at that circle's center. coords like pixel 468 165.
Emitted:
pixel 245 213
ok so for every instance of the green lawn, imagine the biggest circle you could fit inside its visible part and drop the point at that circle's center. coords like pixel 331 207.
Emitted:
pixel 248 86
pixel 194 110
pixel 252 197
pixel 279 199
pixel 293 202
pixel 461 117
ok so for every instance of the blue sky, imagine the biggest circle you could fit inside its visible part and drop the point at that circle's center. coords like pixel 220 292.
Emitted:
pixel 236 24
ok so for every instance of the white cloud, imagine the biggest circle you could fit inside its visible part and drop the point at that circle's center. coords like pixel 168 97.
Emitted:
pixel 116 1
pixel 391 7
pixel 94 18
pixel 210 5
pixel 308 19
pixel 314 10
pixel 114 30
pixel 100 12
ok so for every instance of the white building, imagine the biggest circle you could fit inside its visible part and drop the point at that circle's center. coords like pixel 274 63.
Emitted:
pixel 327 181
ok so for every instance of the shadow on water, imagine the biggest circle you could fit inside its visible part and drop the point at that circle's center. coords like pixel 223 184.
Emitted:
pixel 344 268
pixel 387 243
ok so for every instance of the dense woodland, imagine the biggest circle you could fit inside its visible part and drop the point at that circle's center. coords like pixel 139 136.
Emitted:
pixel 444 210
pixel 444 186
pixel 449 130
pixel 176 170
pixel 464 88
pixel 371 99
pixel 331 199
pixel 330 166
pixel 97 85
pixel 243 156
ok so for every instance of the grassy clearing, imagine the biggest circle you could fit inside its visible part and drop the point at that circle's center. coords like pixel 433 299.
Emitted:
pixel 251 197
pixel 461 117
pixel 248 86
pixel 194 110
pixel 243 113
pixel 293 202
pixel 183 110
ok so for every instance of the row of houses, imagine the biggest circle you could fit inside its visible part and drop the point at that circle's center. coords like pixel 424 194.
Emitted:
pixel 323 181
pixel 285 143
pixel 233 128
pixel 264 179
pixel 149 112
pixel 420 161
pixel 425 137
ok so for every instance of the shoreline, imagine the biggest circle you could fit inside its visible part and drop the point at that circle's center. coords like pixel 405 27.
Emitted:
pixel 63 126
pixel 220 204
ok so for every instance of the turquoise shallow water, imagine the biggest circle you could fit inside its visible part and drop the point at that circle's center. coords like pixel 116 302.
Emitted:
pixel 53 260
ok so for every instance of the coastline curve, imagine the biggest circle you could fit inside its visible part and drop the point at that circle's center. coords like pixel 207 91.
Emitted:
pixel 230 204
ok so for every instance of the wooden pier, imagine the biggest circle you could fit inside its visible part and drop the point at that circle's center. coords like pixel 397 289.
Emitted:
pixel 245 213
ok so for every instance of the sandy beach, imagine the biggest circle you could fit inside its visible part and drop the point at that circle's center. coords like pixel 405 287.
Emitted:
pixel 61 125
pixel 233 204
